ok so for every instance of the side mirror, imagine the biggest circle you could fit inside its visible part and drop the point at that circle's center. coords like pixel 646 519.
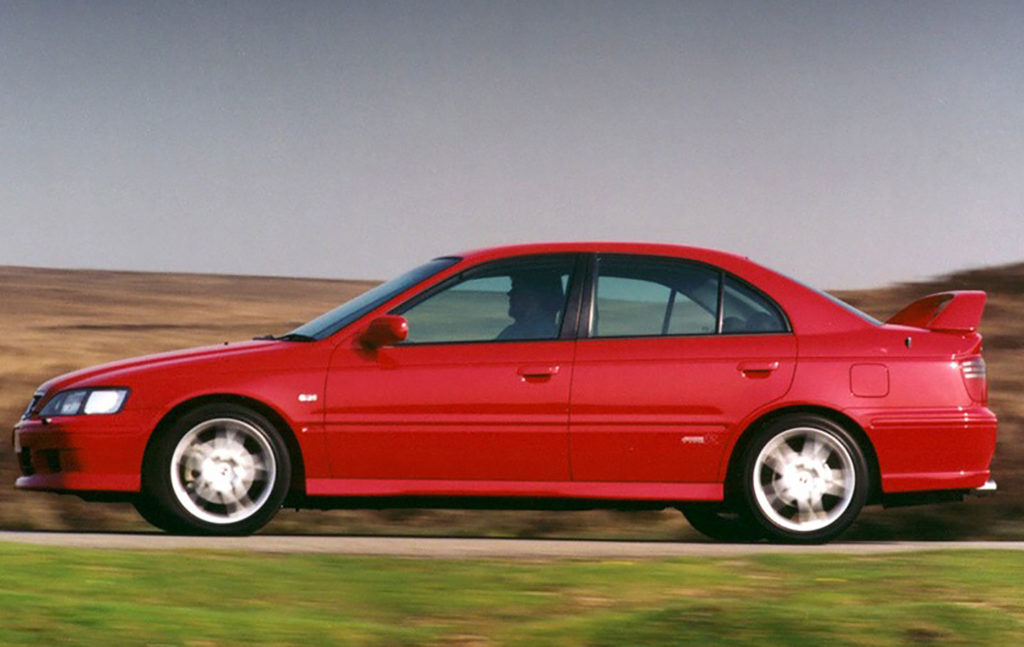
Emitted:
pixel 386 330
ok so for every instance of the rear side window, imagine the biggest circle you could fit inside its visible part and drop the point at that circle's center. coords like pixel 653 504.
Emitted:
pixel 640 297
pixel 745 310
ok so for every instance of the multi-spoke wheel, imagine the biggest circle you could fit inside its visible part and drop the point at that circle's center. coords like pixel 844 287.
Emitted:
pixel 805 479
pixel 221 469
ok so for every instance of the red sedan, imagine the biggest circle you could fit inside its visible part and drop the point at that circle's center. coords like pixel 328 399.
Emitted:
pixel 543 376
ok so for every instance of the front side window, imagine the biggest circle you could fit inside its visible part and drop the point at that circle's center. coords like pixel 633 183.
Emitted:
pixel 508 301
pixel 637 297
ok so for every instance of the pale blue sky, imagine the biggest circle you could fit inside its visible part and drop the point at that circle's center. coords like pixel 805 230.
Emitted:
pixel 845 143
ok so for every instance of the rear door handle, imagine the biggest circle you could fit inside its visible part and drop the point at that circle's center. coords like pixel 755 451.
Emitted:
pixel 757 369
pixel 538 372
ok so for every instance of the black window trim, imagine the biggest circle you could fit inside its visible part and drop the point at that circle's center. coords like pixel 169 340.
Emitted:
pixel 667 319
pixel 586 320
pixel 721 303
pixel 574 299
pixel 590 299
pixel 570 319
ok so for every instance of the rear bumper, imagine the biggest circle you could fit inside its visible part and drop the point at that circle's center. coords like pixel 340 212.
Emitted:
pixel 931 449
pixel 899 499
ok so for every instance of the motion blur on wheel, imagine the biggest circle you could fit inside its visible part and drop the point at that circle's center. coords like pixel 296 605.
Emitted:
pixel 575 375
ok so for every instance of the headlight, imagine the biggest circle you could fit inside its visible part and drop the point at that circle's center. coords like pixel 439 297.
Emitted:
pixel 85 401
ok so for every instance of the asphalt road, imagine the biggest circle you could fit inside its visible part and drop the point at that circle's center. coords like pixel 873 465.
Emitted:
pixel 463 548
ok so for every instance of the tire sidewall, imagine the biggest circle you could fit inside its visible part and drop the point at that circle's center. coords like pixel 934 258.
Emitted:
pixel 749 483
pixel 157 485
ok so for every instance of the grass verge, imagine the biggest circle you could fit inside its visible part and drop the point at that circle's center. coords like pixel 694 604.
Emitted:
pixel 86 597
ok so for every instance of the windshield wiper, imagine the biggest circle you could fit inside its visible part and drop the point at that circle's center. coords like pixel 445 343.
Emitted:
pixel 295 336
pixel 292 336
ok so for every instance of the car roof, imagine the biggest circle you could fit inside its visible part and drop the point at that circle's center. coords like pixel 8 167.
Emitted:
pixel 609 247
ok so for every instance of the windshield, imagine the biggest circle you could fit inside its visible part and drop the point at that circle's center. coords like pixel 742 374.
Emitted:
pixel 331 322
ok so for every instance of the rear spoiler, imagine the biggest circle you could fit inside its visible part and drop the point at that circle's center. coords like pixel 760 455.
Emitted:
pixel 958 312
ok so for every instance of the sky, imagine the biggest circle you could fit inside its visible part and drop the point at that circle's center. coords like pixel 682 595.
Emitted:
pixel 847 144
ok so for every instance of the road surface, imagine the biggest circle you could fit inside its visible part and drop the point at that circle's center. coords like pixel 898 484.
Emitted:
pixel 467 548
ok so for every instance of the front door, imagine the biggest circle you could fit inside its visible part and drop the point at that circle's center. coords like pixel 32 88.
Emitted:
pixel 479 390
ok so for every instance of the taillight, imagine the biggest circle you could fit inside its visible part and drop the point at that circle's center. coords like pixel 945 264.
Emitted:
pixel 975 378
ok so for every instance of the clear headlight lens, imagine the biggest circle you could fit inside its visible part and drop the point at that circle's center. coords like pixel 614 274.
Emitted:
pixel 85 401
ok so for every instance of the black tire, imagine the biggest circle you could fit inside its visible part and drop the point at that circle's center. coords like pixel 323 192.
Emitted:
pixel 222 469
pixel 713 520
pixel 805 479
pixel 157 516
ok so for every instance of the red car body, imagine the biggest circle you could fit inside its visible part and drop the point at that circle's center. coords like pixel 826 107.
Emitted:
pixel 368 419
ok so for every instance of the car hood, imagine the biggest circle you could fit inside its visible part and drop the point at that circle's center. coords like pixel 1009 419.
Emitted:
pixel 119 370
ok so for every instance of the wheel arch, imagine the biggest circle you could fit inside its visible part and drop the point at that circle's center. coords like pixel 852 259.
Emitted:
pixel 297 487
pixel 735 467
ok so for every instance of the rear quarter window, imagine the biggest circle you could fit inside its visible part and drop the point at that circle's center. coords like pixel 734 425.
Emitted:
pixel 746 310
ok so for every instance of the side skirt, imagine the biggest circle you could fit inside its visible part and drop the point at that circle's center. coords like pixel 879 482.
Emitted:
pixel 379 493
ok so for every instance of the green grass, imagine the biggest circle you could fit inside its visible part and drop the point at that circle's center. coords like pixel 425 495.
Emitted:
pixel 72 597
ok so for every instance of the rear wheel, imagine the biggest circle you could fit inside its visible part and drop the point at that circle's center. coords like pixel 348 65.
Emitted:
pixel 221 469
pixel 805 479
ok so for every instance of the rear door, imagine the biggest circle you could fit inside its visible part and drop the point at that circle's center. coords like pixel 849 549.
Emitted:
pixel 674 355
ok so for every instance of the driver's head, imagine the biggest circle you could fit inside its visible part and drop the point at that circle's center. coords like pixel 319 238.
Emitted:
pixel 535 293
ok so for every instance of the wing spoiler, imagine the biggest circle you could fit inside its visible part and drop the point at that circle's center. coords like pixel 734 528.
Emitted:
pixel 958 311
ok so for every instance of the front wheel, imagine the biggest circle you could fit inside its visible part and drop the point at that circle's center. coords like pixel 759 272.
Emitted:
pixel 221 470
pixel 805 479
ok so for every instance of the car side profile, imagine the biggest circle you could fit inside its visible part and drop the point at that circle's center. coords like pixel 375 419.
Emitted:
pixel 556 376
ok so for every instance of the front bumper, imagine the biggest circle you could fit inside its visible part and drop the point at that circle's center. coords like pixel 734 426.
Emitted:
pixel 80 453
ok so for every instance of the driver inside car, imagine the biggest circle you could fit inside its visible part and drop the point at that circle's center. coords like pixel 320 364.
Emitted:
pixel 535 302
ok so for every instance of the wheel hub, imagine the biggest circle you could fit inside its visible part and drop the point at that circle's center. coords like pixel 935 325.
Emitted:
pixel 803 482
pixel 225 475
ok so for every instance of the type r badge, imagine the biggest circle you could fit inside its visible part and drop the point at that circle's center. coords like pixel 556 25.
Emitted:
pixel 307 397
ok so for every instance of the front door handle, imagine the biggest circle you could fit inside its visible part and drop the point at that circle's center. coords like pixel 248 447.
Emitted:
pixel 757 369
pixel 538 372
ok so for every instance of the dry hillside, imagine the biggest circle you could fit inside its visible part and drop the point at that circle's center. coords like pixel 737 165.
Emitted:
pixel 52 321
